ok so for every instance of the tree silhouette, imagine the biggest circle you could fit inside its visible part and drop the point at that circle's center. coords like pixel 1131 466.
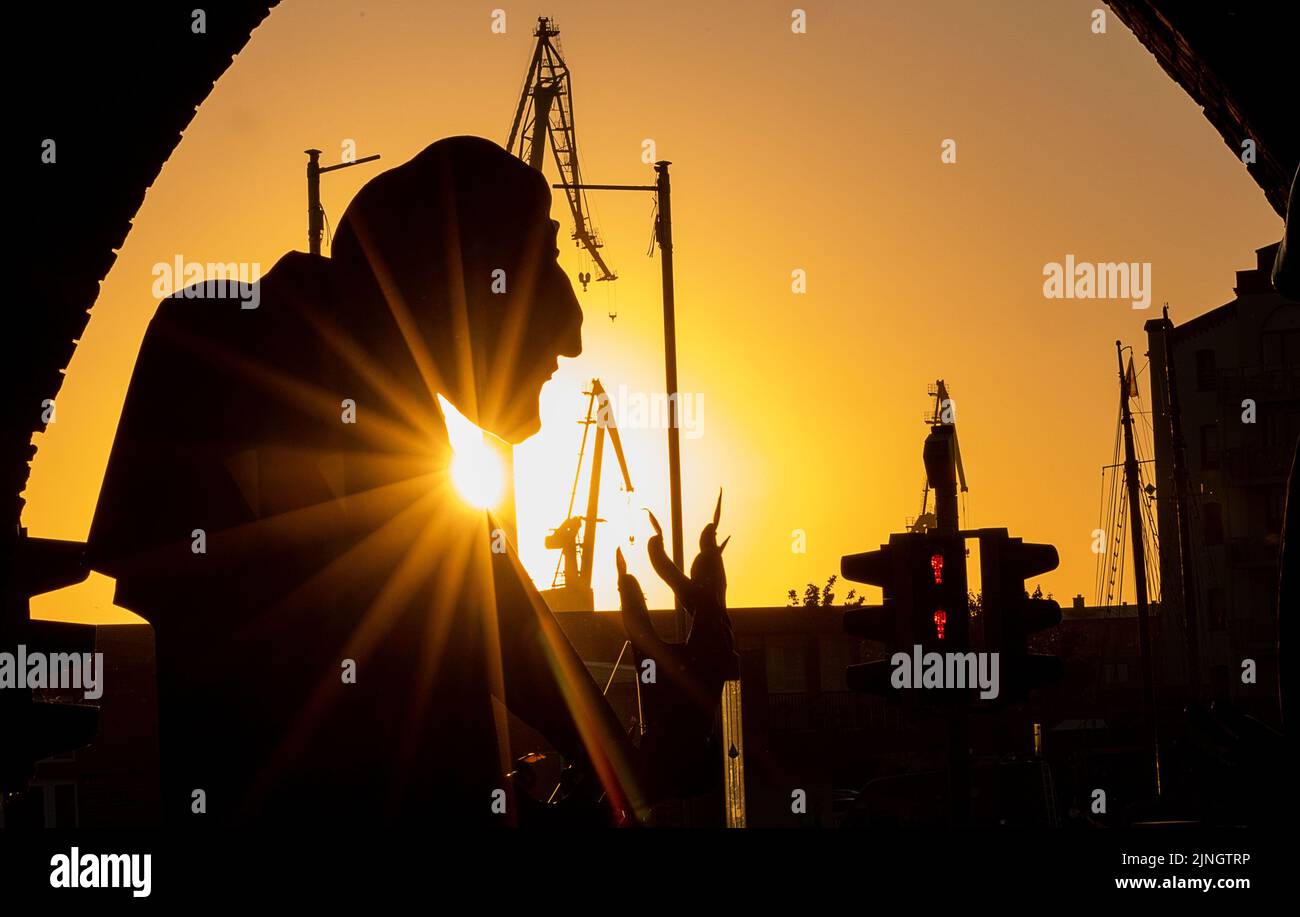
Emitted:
pixel 814 597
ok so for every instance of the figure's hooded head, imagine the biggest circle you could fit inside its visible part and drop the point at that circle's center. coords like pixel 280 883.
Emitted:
pixel 455 252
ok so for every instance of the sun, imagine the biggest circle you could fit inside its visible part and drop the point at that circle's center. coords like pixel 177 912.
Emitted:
pixel 478 477
pixel 476 470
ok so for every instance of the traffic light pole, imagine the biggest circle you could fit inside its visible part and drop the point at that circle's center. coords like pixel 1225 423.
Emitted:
pixel 1139 566
pixel 940 459
pixel 925 607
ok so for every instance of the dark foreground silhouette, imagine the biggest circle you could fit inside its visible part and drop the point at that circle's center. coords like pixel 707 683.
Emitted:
pixel 332 622
pixel 681 749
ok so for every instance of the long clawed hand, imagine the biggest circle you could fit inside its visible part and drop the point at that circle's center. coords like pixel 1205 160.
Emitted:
pixel 703 594
pixel 680 694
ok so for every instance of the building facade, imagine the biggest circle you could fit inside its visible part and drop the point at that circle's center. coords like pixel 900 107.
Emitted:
pixel 1235 371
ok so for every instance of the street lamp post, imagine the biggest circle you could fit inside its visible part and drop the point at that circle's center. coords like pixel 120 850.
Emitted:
pixel 664 237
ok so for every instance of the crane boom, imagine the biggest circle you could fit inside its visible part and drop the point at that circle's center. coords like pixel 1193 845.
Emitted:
pixel 545 111
pixel 941 399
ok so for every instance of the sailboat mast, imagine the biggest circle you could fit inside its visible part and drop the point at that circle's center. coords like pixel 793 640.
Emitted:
pixel 1139 563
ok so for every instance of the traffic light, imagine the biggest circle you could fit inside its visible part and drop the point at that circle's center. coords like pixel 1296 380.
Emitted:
pixel 942 614
pixel 923 577
pixel 1010 616
pixel 888 623
pixel 926 604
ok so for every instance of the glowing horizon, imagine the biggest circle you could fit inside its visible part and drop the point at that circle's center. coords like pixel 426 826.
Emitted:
pixel 1070 144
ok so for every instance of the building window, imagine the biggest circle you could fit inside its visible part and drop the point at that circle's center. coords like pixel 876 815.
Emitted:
pixel 1281 430
pixel 1210 447
pixel 787 669
pixel 1279 339
pixel 1212 520
pixel 1206 371
pixel 836 656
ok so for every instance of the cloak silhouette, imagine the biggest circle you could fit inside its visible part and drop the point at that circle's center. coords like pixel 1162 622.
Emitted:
pixel 331 621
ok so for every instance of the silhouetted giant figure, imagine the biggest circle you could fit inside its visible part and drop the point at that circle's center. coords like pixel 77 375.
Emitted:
pixel 331 619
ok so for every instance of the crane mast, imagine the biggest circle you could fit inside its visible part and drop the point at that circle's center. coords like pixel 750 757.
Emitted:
pixel 545 111
pixel 943 415
pixel 575 538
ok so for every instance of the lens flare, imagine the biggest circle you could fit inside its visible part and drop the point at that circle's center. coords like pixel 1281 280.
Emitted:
pixel 476 470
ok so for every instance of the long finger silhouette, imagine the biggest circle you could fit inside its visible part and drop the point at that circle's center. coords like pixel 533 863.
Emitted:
pixel 636 617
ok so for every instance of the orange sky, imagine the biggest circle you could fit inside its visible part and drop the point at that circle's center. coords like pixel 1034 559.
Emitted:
pixel 818 152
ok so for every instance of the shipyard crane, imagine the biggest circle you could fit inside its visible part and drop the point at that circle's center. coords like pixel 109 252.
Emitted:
pixel 942 415
pixel 546 110
pixel 575 538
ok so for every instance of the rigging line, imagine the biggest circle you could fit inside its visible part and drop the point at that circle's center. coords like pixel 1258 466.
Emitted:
pixel 1103 561
pixel 1114 539
pixel 1151 545
pixel 1121 525
pixel 1150 542
pixel 1105 521
pixel 1114 522
pixel 1123 521
pixel 1148 430
pixel 1123 550
pixel 1098 574
pixel 1150 539
pixel 1151 532
pixel 1115 547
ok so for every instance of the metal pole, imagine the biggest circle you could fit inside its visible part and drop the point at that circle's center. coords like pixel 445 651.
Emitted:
pixel 664 227
pixel 315 226
pixel 1139 564
pixel 664 236
pixel 315 214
